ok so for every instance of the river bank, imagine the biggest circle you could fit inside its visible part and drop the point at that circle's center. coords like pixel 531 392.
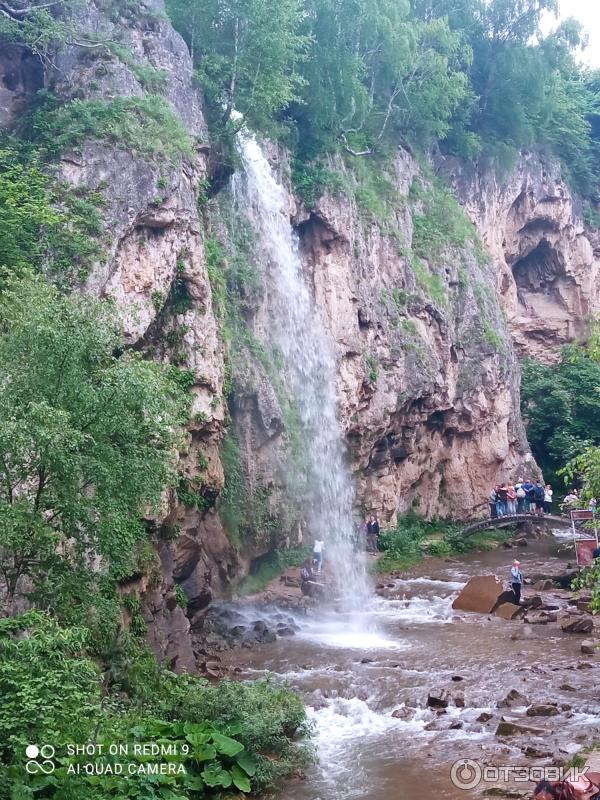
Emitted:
pixel 368 685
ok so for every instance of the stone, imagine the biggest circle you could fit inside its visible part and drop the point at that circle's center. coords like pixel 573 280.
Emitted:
pixel 367 660
pixel 485 716
pixel 566 687
pixel 481 595
pixel 403 713
pixel 509 728
pixel 512 699
pixel 438 698
pixel 509 611
pixel 456 726
pixel 588 647
pixel 542 710
pixel 572 624
pixel 459 699
pixel 457 678
pixel 534 752
pixel 544 585
pixel 585 665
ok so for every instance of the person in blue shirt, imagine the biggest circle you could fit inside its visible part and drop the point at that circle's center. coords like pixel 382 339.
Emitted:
pixel 528 486
pixel 516 580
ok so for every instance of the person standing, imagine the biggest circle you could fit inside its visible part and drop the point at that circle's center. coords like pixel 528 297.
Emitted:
pixel 492 499
pixel 520 497
pixel 540 496
pixel 318 555
pixel 511 501
pixel 502 502
pixel 531 498
pixel 374 534
pixel 516 580
pixel 548 499
pixel 527 487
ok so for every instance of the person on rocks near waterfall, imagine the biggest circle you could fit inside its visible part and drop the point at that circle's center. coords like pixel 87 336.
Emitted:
pixel 516 580
pixel 318 555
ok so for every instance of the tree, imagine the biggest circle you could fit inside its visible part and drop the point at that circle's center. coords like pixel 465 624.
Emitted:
pixel 87 436
pixel 247 53
pixel 560 406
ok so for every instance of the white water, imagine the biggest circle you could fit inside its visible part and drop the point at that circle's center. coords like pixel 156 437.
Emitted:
pixel 310 369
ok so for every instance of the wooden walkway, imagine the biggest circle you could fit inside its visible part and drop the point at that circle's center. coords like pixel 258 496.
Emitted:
pixel 503 522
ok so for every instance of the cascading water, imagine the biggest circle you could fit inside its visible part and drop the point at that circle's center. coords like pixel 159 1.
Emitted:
pixel 310 369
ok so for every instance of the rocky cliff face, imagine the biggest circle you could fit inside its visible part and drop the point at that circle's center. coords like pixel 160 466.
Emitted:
pixel 547 258
pixel 428 382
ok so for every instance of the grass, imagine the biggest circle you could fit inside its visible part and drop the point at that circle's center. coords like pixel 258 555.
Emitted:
pixel 413 538
pixel 146 125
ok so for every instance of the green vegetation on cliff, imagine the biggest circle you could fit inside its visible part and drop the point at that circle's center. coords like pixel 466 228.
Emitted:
pixel 475 76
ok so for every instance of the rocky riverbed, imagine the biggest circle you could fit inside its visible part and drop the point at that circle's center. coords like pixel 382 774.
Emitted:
pixel 401 694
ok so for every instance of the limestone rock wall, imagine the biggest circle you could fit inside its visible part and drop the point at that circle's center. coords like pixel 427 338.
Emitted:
pixel 547 258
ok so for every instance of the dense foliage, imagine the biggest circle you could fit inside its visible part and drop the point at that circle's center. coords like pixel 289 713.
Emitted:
pixel 560 407
pixel 473 75
pixel 414 537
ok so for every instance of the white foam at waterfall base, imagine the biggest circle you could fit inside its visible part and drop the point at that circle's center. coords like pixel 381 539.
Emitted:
pixel 309 368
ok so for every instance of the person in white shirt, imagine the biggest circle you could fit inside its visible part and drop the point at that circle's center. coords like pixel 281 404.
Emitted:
pixel 318 555
pixel 548 499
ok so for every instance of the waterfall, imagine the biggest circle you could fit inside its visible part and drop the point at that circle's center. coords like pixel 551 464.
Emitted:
pixel 310 368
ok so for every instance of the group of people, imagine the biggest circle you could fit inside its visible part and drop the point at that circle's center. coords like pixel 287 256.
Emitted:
pixel 523 497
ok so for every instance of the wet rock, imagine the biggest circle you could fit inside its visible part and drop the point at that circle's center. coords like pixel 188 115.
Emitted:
pixel 521 542
pixel 513 698
pixel 576 624
pixel 367 661
pixel 509 611
pixel 435 725
pixel 456 726
pixel 588 647
pixel 485 716
pixel 438 698
pixel 285 630
pixel 544 585
pixel 534 752
pixel 585 604
pixel 459 699
pixel 481 594
pixel 535 601
pixel 542 710
pixel 457 678
pixel 403 713
pixel 585 665
pixel 566 687
pixel 509 728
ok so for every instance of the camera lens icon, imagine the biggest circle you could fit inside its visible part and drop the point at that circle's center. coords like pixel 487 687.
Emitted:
pixel 34 766
pixel 465 774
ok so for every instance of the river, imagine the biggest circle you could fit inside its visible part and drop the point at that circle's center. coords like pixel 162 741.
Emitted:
pixel 418 642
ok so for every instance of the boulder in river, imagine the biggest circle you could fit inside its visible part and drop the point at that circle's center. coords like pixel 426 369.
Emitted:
pixel 509 611
pixel 542 710
pixel 588 647
pixel 509 728
pixel 481 594
pixel 485 716
pixel 438 698
pixel 576 624
pixel 513 698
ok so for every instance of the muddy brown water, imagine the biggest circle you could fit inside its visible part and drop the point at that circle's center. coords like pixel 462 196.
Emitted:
pixel 414 642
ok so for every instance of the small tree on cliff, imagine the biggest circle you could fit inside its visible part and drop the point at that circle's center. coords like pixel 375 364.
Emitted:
pixel 87 436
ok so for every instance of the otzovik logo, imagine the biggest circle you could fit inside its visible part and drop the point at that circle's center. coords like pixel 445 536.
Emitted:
pixel 40 759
